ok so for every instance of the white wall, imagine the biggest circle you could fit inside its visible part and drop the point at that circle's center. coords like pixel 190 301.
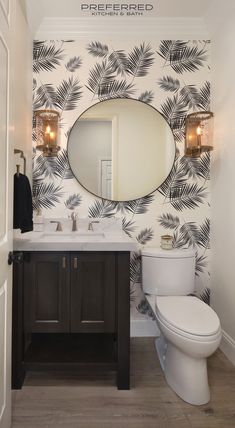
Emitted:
pixel 90 141
pixel 222 25
pixel 22 89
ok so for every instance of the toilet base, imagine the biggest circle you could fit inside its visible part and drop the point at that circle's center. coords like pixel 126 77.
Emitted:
pixel 187 376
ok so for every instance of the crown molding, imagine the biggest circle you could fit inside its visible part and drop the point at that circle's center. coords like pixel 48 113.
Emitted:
pixel 123 28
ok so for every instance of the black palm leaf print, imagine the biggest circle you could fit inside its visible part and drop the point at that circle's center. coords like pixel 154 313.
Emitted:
pixel 100 74
pixel 145 235
pixel 128 226
pixel 73 201
pixel 135 268
pixel 145 309
pixel 119 62
pixel 169 221
pixel 63 169
pixel 37 176
pixel 167 47
pixel 188 59
pixel 140 60
pixel 205 296
pixel 133 293
pixel 46 195
pixel 73 64
pixel 189 233
pixel 98 49
pixel 204 166
pixel 147 97
pixel 46 58
pixel 178 129
pixel 68 94
pixel 205 94
pixel 168 83
pixel 102 208
pixel 191 166
pixel 204 234
pixel 178 240
pixel 115 89
pixel 46 166
pixel 175 179
pixel 138 206
pixel 187 196
pixel 201 263
pixel 44 96
pixel 174 110
pixel 190 96
pixel 197 167
pixel 34 84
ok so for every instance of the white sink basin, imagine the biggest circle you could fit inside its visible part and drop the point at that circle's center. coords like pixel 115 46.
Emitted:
pixel 108 236
pixel 83 236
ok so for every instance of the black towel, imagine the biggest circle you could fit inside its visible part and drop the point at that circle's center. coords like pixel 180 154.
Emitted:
pixel 23 207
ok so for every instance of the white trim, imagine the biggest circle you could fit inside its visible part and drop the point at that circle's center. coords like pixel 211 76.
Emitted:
pixel 227 346
pixel 3 292
pixel 100 170
pixel 6 11
pixel 3 238
pixel 144 328
pixel 123 28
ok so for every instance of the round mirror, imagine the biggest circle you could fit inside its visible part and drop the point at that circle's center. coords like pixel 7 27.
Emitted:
pixel 121 149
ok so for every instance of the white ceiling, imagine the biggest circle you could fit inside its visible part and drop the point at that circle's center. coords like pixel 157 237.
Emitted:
pixel 40 14
pixel 71 8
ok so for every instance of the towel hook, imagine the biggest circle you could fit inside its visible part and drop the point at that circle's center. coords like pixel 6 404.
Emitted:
pixel 16 151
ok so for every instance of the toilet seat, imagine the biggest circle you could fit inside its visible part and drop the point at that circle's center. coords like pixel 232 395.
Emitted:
pixel 188 316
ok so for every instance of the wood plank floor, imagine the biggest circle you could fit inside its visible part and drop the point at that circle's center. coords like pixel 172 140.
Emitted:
pixel 67 400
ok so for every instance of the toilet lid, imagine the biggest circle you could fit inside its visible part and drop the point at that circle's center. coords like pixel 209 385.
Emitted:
pixel 188 314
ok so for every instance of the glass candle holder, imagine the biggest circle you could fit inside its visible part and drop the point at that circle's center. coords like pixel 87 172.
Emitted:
pixel 166 242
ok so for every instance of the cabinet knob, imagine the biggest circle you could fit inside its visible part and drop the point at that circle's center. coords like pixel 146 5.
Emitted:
pixel 63 262
pixel 75 262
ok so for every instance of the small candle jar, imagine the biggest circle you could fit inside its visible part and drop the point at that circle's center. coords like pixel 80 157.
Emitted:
pixel 166 242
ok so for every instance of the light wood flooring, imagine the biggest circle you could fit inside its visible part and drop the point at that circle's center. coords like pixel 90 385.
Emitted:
pixel 66 400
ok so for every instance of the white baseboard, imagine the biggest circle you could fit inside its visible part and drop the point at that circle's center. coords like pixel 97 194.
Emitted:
pixel 144 328
pixel 227 346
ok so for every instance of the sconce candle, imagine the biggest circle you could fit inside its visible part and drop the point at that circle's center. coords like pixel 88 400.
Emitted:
pixel 198 136
pixel 47 131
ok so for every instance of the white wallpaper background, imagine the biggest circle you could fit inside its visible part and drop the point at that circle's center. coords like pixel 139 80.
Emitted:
pixel 172 76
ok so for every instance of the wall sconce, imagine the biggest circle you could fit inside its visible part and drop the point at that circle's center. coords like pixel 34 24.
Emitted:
pixel 47 127
pixel 198 133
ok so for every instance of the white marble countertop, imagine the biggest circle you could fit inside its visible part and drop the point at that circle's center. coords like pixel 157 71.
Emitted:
pixel 73 241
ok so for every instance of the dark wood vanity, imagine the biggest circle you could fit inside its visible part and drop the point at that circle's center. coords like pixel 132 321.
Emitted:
pixel 71 309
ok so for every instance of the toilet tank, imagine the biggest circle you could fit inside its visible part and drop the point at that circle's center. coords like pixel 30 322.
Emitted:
pixel 168 272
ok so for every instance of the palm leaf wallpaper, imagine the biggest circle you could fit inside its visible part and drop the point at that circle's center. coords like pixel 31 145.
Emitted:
pixel 171 75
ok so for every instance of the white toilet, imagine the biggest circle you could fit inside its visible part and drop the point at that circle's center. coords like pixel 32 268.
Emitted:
pixel 190 329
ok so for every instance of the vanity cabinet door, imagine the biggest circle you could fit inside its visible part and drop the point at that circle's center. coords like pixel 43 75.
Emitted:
pixel 47 292
pixel 93 292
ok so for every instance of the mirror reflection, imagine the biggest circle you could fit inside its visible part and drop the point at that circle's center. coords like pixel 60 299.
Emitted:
pixel 121 149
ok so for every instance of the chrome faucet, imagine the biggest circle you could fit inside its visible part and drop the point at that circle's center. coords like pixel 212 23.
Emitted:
pixel 74 219
pixel 90 225
pixel 59 225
